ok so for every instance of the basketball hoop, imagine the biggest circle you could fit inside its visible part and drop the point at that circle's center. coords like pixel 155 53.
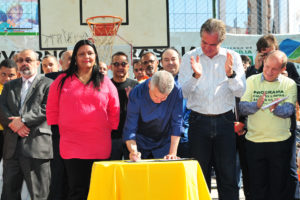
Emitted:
pixel 104 30
pixel 104 25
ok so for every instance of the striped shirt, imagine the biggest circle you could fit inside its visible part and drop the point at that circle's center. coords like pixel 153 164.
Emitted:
pixel 213 92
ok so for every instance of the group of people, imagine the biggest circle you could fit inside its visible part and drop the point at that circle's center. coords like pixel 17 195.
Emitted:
pixel 56 125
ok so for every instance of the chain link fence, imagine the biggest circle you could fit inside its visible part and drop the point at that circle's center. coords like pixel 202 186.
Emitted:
pixel 240 16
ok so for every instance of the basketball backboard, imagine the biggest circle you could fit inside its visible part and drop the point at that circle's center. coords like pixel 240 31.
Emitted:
pixel 62 23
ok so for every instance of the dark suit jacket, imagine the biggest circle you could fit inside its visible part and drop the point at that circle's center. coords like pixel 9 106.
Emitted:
pixel 53 75
pixel 38 144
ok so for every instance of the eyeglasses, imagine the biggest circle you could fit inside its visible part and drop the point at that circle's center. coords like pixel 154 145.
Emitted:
pixel 21 60
pixel 116 64
pixel 146 62
pixel 136 70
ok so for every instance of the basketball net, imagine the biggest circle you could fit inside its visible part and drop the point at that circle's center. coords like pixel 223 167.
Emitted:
pixel 104 30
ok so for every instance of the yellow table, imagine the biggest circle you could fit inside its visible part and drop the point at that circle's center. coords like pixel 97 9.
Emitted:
pixel 160 180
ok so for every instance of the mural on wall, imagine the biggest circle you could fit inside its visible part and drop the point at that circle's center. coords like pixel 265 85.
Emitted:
pixel 292 49
pixel 19 16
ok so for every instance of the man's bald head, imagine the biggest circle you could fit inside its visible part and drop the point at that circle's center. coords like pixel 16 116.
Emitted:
pixel 274 65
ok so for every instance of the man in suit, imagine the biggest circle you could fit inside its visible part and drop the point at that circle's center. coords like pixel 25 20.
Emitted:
pixel 27 137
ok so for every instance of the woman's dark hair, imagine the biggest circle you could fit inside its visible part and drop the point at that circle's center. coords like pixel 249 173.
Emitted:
pixel 96 77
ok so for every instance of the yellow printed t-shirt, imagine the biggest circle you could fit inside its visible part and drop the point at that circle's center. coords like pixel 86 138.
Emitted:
pixel 264 126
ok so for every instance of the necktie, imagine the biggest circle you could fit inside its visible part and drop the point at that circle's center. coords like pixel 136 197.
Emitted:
pixel 24 91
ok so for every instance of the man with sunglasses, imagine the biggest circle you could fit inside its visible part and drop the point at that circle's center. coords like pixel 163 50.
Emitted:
pixel 27 137
pixel 149 63
pixel 120 67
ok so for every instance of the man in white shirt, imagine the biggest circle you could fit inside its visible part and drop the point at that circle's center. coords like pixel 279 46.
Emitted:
pixel 211 77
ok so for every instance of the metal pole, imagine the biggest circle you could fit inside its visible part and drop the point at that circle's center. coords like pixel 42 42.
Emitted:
pixel 214 8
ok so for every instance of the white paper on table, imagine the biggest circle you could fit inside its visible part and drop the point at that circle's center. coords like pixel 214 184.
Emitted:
pixel 274 102
pixel 159 160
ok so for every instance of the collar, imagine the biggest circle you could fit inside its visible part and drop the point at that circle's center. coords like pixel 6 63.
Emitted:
pixel 222 52
pixel 176 77
pixel 29 79
pixel 279 78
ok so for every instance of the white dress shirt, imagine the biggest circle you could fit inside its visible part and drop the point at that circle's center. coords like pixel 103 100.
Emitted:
pixel 213 93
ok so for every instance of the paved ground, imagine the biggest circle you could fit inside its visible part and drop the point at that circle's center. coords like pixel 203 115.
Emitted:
pixel 214 192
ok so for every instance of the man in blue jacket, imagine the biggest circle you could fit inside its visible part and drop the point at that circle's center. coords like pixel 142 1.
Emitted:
pixel 154 118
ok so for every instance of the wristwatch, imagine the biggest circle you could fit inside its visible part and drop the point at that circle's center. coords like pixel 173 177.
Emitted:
pixel 232 75
pixel 194 75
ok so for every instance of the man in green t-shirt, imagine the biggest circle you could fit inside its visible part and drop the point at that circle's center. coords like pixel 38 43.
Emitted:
pixel 268 136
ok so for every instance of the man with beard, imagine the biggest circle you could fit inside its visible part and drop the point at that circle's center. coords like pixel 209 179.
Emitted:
pixel 27 137
pixel 120 67
pixel 150 63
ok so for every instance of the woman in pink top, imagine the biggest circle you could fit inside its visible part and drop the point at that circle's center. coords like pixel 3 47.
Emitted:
pixel 84 104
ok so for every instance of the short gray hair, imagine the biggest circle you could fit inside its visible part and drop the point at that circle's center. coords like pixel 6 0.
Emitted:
pixel 36 55
pixel 163 81
pixel 62 56
pixel 214 26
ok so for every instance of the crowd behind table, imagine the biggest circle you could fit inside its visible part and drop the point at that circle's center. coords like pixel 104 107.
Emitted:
pixel 55 126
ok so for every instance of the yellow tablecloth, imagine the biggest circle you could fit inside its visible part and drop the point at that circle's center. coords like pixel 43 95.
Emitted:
pixel 174 180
